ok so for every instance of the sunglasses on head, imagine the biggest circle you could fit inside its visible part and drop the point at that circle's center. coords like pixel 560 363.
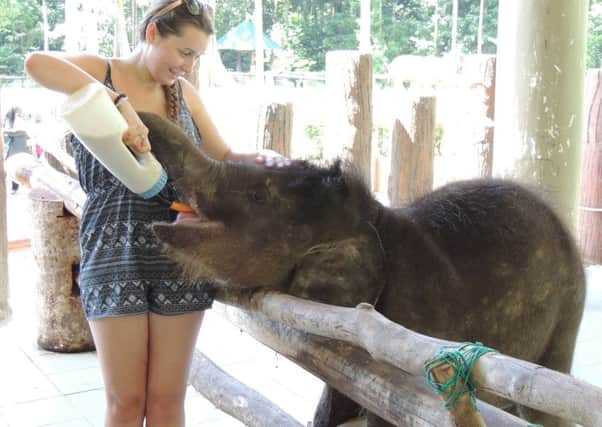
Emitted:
pixel 194 7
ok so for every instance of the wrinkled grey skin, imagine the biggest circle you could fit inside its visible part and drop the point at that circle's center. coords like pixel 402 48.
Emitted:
pixel 481 260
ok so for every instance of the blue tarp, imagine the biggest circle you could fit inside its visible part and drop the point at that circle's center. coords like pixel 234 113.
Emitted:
pixel 242 37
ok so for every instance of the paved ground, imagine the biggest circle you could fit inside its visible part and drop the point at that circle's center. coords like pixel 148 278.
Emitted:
pixel 39 388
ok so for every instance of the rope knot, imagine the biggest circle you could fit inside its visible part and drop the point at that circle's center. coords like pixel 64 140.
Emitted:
pixel 462 360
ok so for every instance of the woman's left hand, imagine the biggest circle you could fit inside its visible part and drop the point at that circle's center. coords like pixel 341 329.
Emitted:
pixel 271 158
pixel 265 157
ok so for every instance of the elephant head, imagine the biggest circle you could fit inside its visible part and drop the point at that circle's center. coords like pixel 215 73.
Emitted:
pixel 289 228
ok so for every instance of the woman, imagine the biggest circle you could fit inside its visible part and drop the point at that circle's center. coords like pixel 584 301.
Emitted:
pixel 144 318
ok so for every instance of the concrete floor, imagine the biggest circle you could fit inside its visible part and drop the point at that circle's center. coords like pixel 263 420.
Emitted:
pixel 39 388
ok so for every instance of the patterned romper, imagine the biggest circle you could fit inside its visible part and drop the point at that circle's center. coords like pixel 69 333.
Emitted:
pixel 122 269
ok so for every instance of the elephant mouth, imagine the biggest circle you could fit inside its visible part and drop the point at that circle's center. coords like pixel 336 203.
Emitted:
pixel 200 223
pixel 191 217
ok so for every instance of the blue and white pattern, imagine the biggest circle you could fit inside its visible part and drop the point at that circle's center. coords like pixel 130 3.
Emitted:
pixel 122 269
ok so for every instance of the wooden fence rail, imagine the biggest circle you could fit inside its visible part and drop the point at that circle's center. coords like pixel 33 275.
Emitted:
pixel 526 383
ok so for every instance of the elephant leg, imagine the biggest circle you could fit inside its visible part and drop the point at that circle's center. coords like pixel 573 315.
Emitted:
pixel 559 357
pixel 334 408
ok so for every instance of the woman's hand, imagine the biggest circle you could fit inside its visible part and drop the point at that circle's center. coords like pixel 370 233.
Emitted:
pixel 136 135
pixel 265 157
pixel 271 158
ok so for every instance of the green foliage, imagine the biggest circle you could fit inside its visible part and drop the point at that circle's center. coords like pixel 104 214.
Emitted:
pixel 594 41
pixel 21 31
pixel 314 134
pixel 307 29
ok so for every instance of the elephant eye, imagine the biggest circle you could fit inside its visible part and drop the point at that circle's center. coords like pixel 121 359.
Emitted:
pixel 258 196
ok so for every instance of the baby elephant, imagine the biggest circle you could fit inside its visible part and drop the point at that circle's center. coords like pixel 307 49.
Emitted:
pixel 480 260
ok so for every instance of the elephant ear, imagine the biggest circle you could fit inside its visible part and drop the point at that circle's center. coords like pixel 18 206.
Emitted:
pixel 343 272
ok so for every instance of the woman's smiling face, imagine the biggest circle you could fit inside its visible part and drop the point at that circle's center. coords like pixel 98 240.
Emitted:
pixel 174 55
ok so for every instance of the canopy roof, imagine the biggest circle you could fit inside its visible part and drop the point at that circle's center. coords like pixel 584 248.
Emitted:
pixel 242 37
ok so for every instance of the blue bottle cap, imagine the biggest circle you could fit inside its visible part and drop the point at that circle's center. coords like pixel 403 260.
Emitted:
pixel 156 189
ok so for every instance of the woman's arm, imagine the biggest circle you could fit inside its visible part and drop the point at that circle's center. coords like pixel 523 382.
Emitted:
pixel 67 74
pixel 214 144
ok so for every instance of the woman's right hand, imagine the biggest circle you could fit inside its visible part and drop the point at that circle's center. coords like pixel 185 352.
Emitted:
pixel 136 135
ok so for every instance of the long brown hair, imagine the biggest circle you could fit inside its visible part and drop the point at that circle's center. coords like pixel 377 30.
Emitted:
pixel 171 23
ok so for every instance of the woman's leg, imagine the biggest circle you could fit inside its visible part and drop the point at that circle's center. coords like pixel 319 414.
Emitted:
pixel 171 343
pixel 122 348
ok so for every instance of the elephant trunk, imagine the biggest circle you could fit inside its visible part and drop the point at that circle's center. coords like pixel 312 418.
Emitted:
pixel 195 175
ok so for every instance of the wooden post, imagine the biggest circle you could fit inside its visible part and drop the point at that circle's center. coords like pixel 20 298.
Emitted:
pixel 539 97
pixel 463 412
pixel 275 128
pixel 485 146
pixel 412 153
pixel 62 326
pixel 4 307
pixel 349 127
pixel 122 45
pixel 590 206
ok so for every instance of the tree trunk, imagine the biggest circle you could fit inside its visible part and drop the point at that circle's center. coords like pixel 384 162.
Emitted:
pixel 45 29
pixel 4 306
pixel 275 128
pixel 590 206
pixel 122 46
pixel 209 70
pixel 349 126
pixel 62 326
pixel 485 145
pixel 259 65
pixel 539 97
pixel 412 153
pixel 480 29
pixel 134 26
pixel 365 21
pixel 81 23
pixel 454 29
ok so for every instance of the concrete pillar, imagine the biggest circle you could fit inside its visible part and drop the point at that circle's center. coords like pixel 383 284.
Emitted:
pixel 539 97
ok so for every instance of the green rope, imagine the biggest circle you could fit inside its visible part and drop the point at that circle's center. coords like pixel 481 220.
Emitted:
pixel 462 359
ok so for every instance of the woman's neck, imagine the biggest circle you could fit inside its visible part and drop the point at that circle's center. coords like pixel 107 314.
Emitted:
pixel 136 66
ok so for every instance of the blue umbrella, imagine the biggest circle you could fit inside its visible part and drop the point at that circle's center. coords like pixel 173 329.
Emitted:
pixel 242 37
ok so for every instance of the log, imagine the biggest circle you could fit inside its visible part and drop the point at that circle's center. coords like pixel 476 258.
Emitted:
pixel 485 146
pixel 412 153
pixel 233 397
pixel 58 155
pixel 29 172
pixel 398 397
pixel 517 380
pixel 275 128
pixel 4 306
pixel 62 326
pixel 590 205
pixel 349 125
